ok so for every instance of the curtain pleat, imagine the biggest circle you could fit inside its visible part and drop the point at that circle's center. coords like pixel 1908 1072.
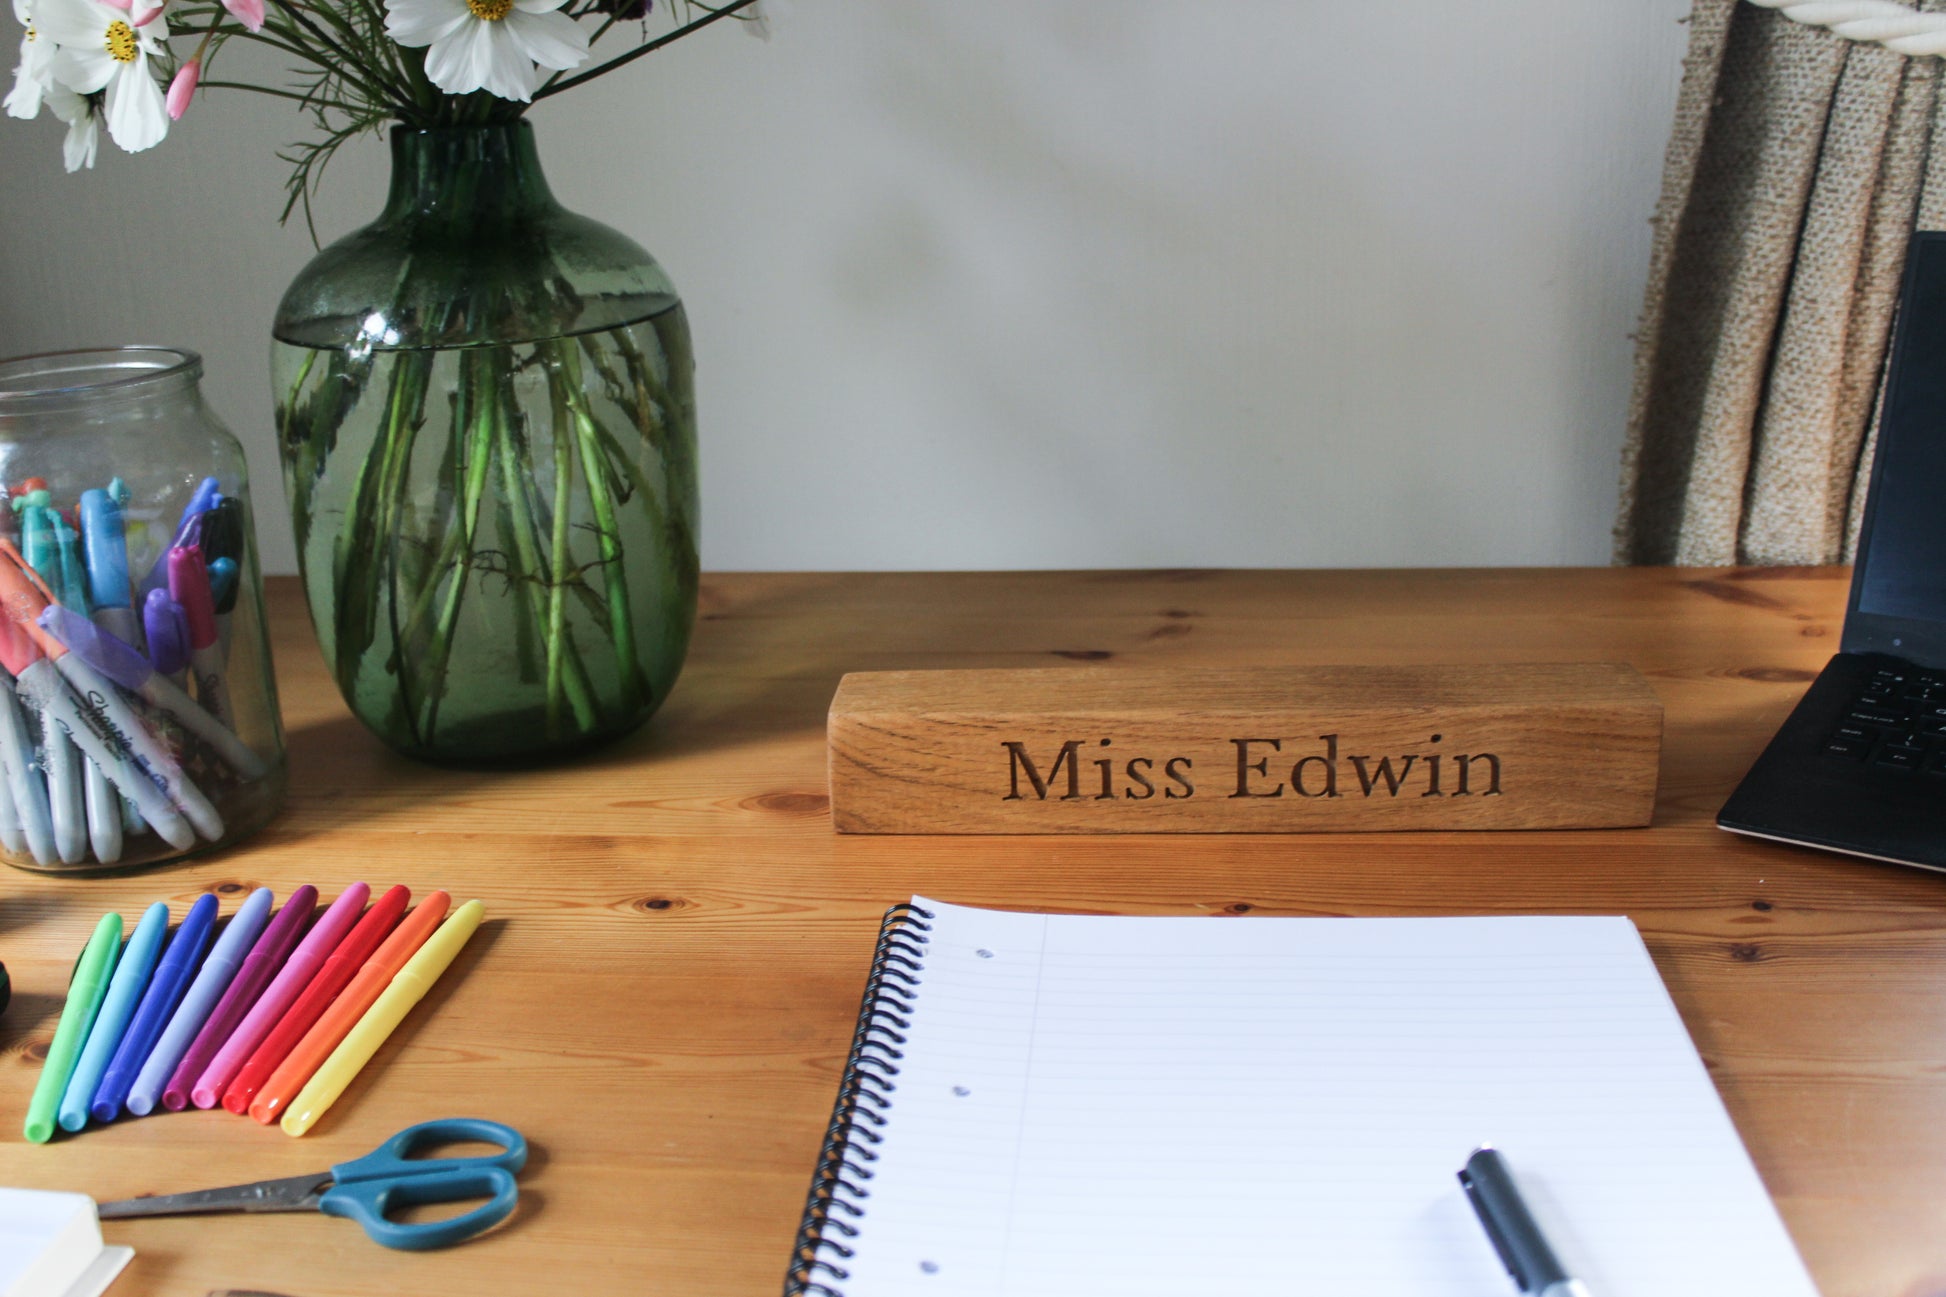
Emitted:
pixel 1796 169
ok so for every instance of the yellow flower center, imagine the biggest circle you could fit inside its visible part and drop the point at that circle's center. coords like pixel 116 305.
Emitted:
pixel 121 42
pixel 491 11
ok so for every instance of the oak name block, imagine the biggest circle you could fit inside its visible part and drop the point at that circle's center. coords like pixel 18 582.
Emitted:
pixel 1244 750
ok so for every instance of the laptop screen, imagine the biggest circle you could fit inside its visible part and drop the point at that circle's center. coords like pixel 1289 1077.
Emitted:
pixel 1902 552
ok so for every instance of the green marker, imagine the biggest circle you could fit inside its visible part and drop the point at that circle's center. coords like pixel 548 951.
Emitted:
pixel 85 994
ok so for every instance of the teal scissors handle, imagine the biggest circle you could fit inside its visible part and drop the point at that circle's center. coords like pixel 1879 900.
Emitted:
pixel 389 1177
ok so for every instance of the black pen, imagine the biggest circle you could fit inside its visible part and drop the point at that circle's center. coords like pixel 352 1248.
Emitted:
pixel 1511 1229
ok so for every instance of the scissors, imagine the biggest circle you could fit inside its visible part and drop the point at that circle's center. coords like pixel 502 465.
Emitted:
pixel 366 1188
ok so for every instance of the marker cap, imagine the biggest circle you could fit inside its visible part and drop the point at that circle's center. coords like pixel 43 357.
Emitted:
pixel 103 650
pixel 189 586
pixel 105 542
pixel 167 631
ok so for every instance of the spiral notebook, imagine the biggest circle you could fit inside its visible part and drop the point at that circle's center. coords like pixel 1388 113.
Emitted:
pixel 1057 1106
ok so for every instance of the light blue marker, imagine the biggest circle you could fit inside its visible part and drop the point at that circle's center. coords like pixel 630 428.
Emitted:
pixel 195 1008
pixel 124 993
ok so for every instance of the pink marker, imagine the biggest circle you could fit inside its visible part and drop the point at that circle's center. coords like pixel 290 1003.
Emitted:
pixel 189 586
pixel 255 973
pixel 323 938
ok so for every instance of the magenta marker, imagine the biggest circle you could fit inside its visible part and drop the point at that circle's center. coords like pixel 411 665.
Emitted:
pixel 323 938
pixel 258 967
pixel 189 586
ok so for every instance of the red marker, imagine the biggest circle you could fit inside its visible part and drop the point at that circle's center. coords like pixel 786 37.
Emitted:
pixel 337 971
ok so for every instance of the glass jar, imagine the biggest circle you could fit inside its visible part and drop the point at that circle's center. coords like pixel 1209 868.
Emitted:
pixel 138 714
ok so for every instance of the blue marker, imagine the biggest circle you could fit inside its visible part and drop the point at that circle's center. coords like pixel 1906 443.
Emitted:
pixel 124 993
pixel 166 626
pixel 105 541
pixel 70 577
pixel 165 990
pixel 195 1008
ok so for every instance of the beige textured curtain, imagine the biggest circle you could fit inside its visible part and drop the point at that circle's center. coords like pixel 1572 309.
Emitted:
pixel 1799 164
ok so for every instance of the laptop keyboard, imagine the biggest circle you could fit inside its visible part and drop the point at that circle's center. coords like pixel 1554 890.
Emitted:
pixel 1896 723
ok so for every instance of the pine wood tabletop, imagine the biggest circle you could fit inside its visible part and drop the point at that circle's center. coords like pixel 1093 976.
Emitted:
pixel 664 990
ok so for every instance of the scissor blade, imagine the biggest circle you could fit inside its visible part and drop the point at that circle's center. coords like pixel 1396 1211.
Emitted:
pixel 297 1193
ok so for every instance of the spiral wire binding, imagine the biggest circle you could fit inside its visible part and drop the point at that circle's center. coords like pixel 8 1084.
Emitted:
pixel 858 1118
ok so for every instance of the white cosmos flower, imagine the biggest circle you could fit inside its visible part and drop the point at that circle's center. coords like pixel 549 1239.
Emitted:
pixel 84 126
pixel 99 50
pixel 490 45
pixel 35 70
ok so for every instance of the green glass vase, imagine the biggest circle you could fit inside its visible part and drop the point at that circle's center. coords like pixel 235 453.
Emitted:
pixel 488 427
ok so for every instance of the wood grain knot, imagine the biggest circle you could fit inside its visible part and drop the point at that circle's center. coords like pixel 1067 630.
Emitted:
pixel 1179 613
pixel 1084 655
pixel 35 1051
pixel 1170 630
pixel 1746 952
pixel 790 803
pixel 1765 906
pixel 657 904
pixel 1241 907
pixel 1775 675
pixel 230 889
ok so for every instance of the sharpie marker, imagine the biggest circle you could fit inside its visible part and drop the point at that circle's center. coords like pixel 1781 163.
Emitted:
pixel 29 794
pixel 167 632
pixel 351 954
pixel 304 962
pixel 207 493
pixel 158 1002
pixel 85 994
pixel 406 990
pixel 189 586
pixel 262 962
pixel 117 1008
pixel 203 994
pixel 123 664
pixel 106 729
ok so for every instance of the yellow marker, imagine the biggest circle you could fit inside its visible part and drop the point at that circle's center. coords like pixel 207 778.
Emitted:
pixel 406 990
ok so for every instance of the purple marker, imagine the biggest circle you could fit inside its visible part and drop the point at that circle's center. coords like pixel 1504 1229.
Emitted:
pixel 166 627
pixel 259 966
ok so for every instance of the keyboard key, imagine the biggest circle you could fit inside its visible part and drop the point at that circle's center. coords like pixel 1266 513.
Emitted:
pixel 1853 734
pixel 1897 758
pixel 1884 719
pixel 1842 748
pixel 1936 764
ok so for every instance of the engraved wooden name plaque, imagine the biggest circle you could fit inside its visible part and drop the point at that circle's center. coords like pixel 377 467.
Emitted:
pixel 1244 750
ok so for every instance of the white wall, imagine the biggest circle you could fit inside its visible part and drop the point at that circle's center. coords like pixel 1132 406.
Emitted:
pixel 1033 283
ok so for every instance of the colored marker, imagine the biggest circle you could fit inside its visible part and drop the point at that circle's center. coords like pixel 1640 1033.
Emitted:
pixel 104 540
pixel 297 972
pixel 85 994
pixel 117 1007
pixel 122 663
pixel 263 961
pixel 158 1002
pixel 167 633
pixel 338 970
pixel 109 733
pixel 223 531
pixel 330 1030
pixel 23 780
pixel 203 994
pixel 406 990
pixel 189 586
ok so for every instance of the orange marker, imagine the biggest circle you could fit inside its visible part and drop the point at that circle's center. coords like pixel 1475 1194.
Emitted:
pixel 345 1011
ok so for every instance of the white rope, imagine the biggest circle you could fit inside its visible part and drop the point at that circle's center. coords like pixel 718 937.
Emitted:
pixel 1892 25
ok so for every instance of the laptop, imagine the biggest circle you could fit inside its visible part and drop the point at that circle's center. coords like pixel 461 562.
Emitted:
pixel 1860 766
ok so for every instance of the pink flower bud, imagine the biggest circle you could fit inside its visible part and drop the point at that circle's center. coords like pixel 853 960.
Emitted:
pixel 248 12
pixel 181 88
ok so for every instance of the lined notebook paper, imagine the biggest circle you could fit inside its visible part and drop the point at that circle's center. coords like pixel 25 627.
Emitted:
pixel 1231 1107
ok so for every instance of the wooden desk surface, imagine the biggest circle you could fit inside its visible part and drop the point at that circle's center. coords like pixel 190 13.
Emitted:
pixel 664 992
